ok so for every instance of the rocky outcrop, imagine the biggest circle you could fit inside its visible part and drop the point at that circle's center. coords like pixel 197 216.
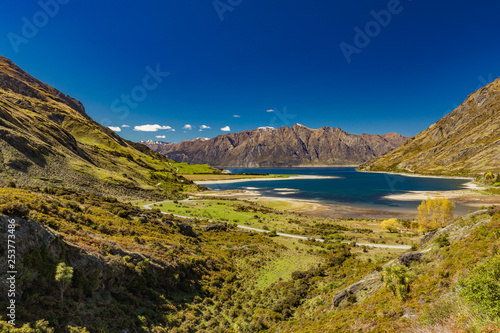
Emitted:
pixel 282 147
pixel 216 227
pixel 358 291
pixel 407 258
pixel 38 248
pixel 32 237
pixel 464 142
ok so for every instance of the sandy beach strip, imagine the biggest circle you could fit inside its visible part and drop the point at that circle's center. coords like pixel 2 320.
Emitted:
pixel 242 180
pixel 318 208
pixel 465 197
pixel 423 195
pixel 311 207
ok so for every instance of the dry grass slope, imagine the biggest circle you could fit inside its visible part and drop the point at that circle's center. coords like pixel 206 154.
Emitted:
pixel 46 139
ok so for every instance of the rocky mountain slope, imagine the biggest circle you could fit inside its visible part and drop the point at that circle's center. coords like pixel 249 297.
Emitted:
pixel 282 147
pixel 464 142
pixel 46 139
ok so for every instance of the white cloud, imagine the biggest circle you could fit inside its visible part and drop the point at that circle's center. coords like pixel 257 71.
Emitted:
pixel 116 129
pixel 152 128
pixel 225 129
pixel 125 126
pixel 202 127
pixel 236 116
pixel 270 110
pixel 188 127
pixel 160 136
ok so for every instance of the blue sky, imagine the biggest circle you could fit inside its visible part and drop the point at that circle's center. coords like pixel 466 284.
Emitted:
pixel 173 63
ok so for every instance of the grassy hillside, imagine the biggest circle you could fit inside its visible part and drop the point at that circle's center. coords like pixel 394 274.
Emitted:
pixel 195 169
pixel 454 286
pixel 465 142
pixel 141 267
pixel 47 139
pixel 157 273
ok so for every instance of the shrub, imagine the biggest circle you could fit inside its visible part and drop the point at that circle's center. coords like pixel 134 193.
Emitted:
pixel 41 326
pixel 16 209
pixel 398 279
pixel 442 240
pixel 492 210
pixel 77 329
pixel 482 287
pixel 392 225
pixel 338 258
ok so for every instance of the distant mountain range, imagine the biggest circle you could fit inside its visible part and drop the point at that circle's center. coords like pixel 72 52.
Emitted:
pixel 464 142
pixel 283 147
pixel 47 139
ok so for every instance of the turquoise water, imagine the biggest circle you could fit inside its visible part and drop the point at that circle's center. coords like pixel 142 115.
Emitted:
pixel 353 188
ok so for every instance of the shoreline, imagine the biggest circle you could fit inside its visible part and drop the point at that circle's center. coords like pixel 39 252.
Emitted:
pixel 465 197
pixel 242 180
pixel 318 208
pixel 467 186
pixel 301 166
pixel 314 207
pixel 418 175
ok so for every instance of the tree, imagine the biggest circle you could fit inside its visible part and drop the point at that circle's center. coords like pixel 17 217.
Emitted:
pixel 64 274
pixel 435 213
pixel 392 225
pixel 398 279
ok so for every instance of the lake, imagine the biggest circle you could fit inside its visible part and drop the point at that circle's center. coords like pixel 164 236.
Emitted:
pixel 352 188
